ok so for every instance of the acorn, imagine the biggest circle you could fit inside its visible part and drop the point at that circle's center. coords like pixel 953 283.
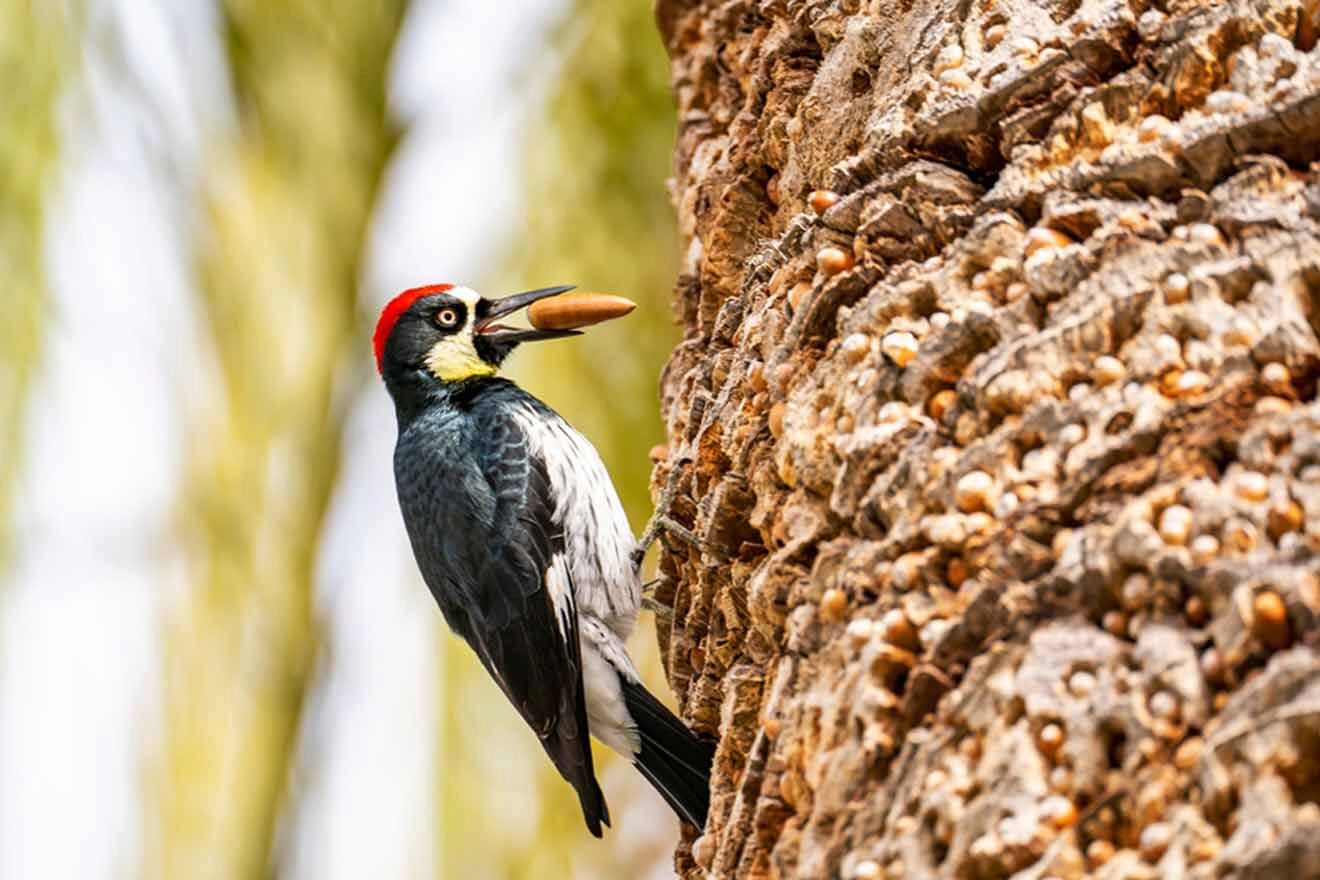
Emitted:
pixel 1059 811
pixel 1155 840
pixel 1191 382
pixel 869 869
pixel 1024 46
pixel 1205 548
pixel 897 629
pixel 899 346
pixel 973 491
pixel 1276 377
pixel 1050 739
pixel 1176 524
pixel 1273 406
pixel 833 604
pixel 950 57
pixel 822 200
pixel 1177 289
pixel 1252 486
pixel 1081 683
pixel 855 347
pixel 1269 620
pixel 1041 238
pixel 1107 370
pixel 1099 851
pixel 573 311
pixel 956 79
pixel 1286 516
pixel 860 631
pixel 1189 753
pixel 832 260
pixel 1154 128
pixel 940 403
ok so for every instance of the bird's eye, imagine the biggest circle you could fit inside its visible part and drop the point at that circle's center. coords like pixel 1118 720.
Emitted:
pixel 447 317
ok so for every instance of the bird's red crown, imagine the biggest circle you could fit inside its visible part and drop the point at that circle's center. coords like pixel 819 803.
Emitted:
pixel 393 310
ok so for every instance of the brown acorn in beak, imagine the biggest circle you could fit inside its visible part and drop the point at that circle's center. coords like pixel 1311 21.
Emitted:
pixel 576 310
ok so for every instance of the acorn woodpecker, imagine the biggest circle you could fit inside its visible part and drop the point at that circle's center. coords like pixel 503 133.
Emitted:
pixel 521 538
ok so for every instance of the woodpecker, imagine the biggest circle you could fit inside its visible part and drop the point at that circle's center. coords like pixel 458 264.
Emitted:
pixel 521 538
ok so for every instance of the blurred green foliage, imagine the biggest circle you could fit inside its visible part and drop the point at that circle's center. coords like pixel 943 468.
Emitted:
pixel 289 194
pixel 37 54
pixel 597 214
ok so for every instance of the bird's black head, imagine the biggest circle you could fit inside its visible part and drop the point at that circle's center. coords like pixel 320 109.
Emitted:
pixel 445 334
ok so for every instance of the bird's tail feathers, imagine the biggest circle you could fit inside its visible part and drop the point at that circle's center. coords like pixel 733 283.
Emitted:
pixel 567 755
pixel 594 810
pixel 672 758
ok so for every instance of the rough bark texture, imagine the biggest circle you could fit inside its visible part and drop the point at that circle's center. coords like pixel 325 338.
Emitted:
pixel 1004 514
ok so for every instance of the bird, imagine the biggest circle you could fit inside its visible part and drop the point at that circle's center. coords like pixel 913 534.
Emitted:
pixel 519 534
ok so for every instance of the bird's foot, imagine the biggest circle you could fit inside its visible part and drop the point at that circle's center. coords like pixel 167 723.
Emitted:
pixel 653 525
pixel 669 526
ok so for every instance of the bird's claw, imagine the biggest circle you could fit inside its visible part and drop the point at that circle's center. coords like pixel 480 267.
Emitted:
pixel 661 514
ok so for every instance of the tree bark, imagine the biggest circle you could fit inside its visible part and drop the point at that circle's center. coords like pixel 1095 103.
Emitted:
pixel 999 454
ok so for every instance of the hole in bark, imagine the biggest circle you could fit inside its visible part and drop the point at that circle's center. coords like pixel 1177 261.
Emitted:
pixel 939 849
pixel 924 301
pixel 1279 444
pixel 1310 295
pixel 890 675
pixel 1064 10
pixel 1119 423
pixel 1303 774
pixel 1307 32
pixel 1115 741
pixel 861 82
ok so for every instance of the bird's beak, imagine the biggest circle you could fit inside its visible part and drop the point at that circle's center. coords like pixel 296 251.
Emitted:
pixel 490 311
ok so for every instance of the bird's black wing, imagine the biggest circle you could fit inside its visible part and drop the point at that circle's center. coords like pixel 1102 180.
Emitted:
pixel 516 607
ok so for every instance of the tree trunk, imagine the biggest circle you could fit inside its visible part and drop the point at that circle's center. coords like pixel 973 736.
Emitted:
pixel 998 453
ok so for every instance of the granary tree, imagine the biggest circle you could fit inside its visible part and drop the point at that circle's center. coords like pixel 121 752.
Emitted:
pixel 993 466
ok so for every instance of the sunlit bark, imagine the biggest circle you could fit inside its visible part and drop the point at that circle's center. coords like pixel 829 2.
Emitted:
pixel 995 423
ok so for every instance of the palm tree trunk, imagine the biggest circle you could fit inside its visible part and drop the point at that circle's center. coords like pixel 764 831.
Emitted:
pixel 995 427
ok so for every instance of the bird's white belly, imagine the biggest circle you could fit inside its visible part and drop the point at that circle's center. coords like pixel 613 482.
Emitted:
pixel 607 715
pixel 597 538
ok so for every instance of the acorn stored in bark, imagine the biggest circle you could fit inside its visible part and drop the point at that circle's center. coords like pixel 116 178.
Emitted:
pixel 576 310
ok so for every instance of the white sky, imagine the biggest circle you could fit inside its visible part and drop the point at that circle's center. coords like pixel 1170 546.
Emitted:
pixel 79 619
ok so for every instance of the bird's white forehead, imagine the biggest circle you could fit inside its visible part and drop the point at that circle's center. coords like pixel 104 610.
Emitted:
pixel 465 294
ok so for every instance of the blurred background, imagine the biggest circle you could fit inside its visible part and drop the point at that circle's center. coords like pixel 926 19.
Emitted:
pixel 217 659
